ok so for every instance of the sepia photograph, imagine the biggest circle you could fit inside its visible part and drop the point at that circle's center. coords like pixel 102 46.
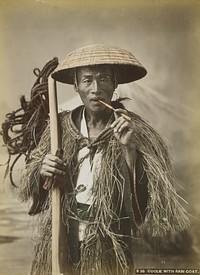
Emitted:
pixel 99 138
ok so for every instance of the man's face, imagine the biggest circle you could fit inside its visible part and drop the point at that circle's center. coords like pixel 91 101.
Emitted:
pixel 95 83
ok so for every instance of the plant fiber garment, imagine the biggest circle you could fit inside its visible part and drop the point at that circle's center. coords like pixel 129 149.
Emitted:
pixel 109 242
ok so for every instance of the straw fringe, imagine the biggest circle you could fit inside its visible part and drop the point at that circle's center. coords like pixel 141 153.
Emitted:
pixel 30 178
pixel 41 264
pixel 101 249
pixel 42 254
pixel 165 214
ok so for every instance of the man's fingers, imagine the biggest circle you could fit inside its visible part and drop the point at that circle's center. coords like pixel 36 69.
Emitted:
pixel 124 126
pixel 120 124
pixel 47 175
pixel 118 112
pixel 118 120
pixel 48 171
pixel 122 111
pixel 53 169
pixel 53 161
pixel 54 158
pixel 52 165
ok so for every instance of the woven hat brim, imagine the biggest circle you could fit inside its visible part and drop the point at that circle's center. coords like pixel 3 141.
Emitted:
pixel 125 65
pixel 125 73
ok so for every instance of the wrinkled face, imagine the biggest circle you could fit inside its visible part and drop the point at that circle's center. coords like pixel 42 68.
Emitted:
pixel 93 83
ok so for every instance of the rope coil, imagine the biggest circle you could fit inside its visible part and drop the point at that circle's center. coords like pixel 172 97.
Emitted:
pixel 22 129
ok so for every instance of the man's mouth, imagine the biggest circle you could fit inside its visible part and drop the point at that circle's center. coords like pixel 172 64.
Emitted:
pixel 96 99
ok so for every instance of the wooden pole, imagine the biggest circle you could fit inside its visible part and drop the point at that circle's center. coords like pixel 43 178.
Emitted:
pixel 53 111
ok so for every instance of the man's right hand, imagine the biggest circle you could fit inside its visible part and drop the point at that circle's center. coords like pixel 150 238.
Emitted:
pixel 52 165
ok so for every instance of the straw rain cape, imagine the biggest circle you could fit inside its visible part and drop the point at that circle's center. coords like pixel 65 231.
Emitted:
pixel 108 245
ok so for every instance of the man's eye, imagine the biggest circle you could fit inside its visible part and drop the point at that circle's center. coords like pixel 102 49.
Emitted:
pixel 104 79
pixel 87 80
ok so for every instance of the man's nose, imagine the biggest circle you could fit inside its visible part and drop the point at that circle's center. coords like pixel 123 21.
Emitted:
pixel 95 86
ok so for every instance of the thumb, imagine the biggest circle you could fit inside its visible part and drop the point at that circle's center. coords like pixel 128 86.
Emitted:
pixel 118 112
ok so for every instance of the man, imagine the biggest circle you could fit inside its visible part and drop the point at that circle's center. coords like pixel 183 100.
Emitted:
pixel 118 183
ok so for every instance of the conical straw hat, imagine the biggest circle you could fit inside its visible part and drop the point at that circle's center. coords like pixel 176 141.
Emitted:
pixel 125 66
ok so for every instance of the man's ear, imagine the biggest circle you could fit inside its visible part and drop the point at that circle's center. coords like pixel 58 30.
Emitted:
pixel 75 81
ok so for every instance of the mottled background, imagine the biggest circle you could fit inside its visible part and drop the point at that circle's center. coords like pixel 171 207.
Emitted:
pixel 164 35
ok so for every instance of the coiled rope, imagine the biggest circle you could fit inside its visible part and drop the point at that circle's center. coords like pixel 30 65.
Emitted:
pixel 22 129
